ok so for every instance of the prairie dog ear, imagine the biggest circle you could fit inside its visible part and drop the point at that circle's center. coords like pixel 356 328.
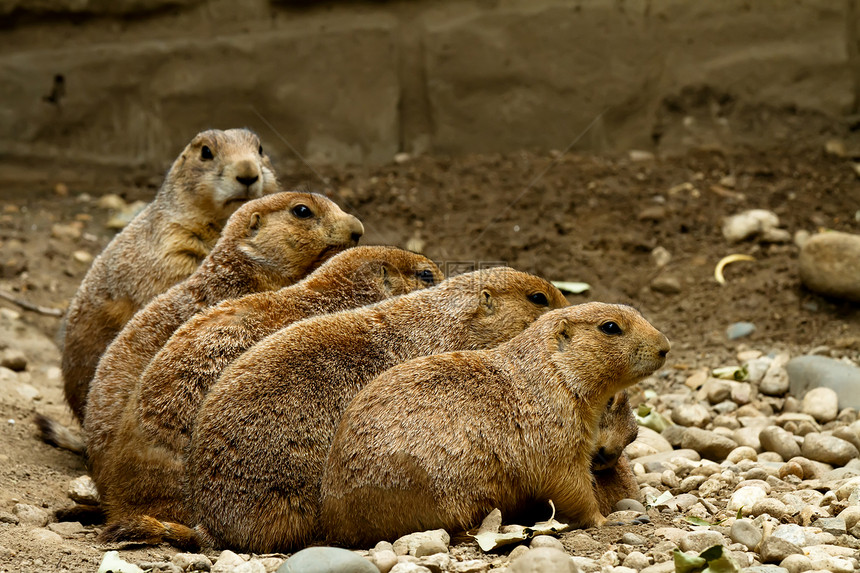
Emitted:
pixel 563 334
pixel 487 302
pixel 385 276
pixel 255 223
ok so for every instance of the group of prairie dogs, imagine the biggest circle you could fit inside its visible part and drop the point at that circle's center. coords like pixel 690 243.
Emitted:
pixel 247 377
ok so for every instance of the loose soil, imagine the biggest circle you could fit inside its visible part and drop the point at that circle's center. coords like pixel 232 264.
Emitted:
pixel 566 217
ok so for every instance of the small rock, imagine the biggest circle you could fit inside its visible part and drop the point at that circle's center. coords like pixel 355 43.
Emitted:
pixel 834 525
pixel 796 563
pixel 770 506
pixel 326 560
pixel 775 549
pixel 384 559
pixel 69 232
pixel 745 532
pixel 744 498
pixel 828 449
pixel 631 539
pixel 191 562
pixel 829 264
pixel 636 560
pixel 6 517
pixel 822 404
pixel 698 541
pixel 776 439
pixel 66 528
pixel 748 224
pixel 83 257
pixel 791 467
pixel 742 453
pixel 227 561
pixel 423 543
pixel 848 435
pixel 716 390
pixel 691 415
pixel 666 285
pixel 543 560
pixel 112 563
pixel 546 541
pixel 517 551
pixel 628 504
pixel 402 567
pixel 813 371
pixel 13 359
pixel 739 330
pixel 40 535
pixel 711 445
pixel 254 566
pixel 83 490
pixel 850 515
pixel 31 515
pixel 748 436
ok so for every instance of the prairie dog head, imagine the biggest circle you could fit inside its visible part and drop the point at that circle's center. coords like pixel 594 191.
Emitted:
pixel 501 302
pixel 617 429
pixel 220 170
pixel 599 349
pixel 388 270
pixel 293 232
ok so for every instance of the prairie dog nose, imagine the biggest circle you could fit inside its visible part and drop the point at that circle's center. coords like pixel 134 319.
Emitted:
pixel 247 180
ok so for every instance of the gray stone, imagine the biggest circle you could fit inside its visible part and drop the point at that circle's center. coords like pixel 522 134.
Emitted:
pixel 691 415
pixel 770 506
pixel 796 563
pixel 745 532
pixel 775 549
pixel 698 541
pixel 709 444
pixel 748 436
pixel 66 528
pixel 628 504
pixel 543 560
pixel 776 380
pixel 191 562
pixel 776 439
pixel 673 435
pixel 744 498
pixel 756 369
pixel 631 539
pixel 739 330
pixel 828 449
pixel 546 541
pixel 829 264
pixel 326 560
pixel 834 525
pixel 806 372
pixel 83 490
pixel 821 403
pixel 31 515
pixel 715 390
pixel 849 435
pixel 636 560
pixel 226 562
pixel 423 543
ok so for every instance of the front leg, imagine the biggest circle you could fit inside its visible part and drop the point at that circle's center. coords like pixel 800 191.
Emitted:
pixel 576 499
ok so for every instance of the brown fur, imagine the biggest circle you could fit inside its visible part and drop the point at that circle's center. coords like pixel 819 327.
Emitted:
pixel 265 245
pixel 440 441
pixel 149 453
pixel 163 245
pixel 261 437
pixel 614 478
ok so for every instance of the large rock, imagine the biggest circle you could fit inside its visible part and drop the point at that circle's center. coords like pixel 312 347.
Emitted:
pixel 779 440
pixel 830 265
pixel 709 444
pixel 806 372
pixel 828 449
pixel 293 80
pixel 326 560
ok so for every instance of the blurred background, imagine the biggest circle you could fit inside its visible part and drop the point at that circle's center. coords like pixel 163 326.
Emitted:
pixel 129 82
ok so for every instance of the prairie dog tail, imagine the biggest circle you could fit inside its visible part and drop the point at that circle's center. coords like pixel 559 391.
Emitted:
pixel 148 530
pixel 56 434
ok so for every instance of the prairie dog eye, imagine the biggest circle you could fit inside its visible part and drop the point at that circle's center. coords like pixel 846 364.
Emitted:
pixel 610 328
pixel 427 276
pixel 261 150
pixel 206 153
pixel 539 299
pixel 302 212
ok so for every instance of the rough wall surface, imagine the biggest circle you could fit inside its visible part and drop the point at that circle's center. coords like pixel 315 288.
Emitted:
pixel 129 82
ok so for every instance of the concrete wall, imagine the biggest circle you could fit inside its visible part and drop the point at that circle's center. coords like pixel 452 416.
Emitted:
pixel 359 82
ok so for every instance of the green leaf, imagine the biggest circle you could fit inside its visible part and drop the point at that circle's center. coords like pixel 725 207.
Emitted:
pixel 738 373
pixel 719 560
pixel 740 513
pixel 696 520
pixel 685 563
pixel 571 287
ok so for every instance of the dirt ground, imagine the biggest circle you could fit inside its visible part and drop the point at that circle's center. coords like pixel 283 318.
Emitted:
pixel 568 217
